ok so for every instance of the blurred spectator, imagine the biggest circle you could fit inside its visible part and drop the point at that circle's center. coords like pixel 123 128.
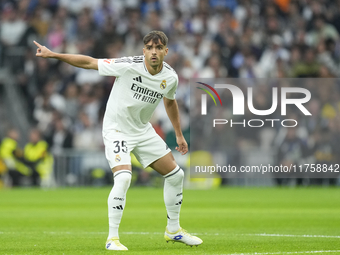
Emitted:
pixel 213 69
pixel 87 135
pixel 10 152
pixel 322 31
pixel 308 67
pixel 59 137
pixel 56 35
pixel 43 113
pixel 326 58
pixel 45 103
pixel 249 69
pixel 12 27
pixel 269 57
pixel 40 21
pixel 292 151
pixel 38 159
pixel 71 101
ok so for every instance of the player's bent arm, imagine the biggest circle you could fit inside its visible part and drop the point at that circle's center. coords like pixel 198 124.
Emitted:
pixel 76 60
pixel 171 108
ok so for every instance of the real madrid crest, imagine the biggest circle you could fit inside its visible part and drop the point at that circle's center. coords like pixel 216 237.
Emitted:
pixel 118 159
pixel 163 84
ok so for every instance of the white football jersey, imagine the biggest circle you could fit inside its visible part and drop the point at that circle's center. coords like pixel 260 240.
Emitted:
pixel 135 93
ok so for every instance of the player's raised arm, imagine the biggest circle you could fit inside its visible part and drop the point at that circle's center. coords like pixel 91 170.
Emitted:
pixel 77 60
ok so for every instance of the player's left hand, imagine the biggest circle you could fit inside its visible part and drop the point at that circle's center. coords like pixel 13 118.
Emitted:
pixel 182 145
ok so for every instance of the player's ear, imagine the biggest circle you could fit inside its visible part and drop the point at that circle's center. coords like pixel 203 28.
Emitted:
pixel 144 51
pixel 166 51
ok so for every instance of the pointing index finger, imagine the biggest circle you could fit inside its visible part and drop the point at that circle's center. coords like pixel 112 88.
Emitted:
pixel 37 44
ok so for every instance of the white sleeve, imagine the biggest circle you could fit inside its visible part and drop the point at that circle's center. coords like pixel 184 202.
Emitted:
pixel 114 67
pixel 172 92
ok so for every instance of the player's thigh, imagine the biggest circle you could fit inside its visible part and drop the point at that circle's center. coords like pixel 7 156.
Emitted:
pixel 152 148
pixel 117 151
pixel 165 164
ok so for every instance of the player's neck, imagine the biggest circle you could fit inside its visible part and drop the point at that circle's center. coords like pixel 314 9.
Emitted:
pixel 153 70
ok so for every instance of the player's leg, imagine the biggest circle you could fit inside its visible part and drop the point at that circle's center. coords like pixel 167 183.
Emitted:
pixel 153 151
pixel 116 204
pixel 173 188
pixel 117 151
pixel 173 195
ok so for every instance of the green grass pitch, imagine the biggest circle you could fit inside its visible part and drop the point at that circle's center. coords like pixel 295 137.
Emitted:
pixel 229 220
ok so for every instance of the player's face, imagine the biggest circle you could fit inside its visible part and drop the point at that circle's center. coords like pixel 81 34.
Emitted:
pixel 154 53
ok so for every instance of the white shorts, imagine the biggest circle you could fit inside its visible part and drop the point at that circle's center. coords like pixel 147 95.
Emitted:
pixel 147 147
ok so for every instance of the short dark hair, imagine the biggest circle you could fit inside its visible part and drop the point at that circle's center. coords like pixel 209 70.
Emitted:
pixel 155 36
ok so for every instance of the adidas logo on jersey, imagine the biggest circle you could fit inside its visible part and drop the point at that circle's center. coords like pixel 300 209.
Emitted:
pixel 138 78
pixel 119 207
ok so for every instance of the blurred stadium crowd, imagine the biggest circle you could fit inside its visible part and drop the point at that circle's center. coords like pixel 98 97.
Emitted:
pixel 207 39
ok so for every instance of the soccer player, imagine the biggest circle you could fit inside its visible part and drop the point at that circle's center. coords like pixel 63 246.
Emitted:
pixel 141 83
